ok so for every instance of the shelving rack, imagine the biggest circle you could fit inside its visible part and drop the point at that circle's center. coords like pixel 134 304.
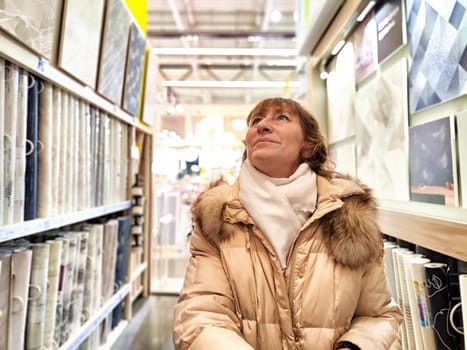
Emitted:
pixel 14 51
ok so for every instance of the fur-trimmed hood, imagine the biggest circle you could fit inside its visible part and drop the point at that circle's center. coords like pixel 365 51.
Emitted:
pixel 346 210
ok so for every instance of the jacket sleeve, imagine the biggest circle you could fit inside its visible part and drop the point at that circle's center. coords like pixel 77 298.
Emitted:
pixel 377 320
pixel 204 316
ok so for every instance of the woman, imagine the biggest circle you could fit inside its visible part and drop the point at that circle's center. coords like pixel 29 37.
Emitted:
pixel 290 256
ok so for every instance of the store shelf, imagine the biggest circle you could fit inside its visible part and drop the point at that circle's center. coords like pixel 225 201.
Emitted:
pixel 77 338
pixel 144 128
pixel 30 227
pixel 17 53
pixel 114 335
pixel 138 271
pixel 444 236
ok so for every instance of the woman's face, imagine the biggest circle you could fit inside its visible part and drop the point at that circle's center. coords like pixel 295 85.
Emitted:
pixel 274 140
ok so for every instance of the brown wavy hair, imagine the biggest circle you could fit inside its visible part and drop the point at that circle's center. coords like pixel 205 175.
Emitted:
pixel 314 151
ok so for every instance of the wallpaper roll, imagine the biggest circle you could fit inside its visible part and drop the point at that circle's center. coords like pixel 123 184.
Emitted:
pixel 9 141
pixel 417 267
pixel 417 331
pixel 124 224
pixel 73 246
pixel 78 290
pixel 438 295
pixel 402 297
pixel 21 131
pixel 53 279
pixel 109 259
pixel 63 187
pixel 20 278
pixel 83 153
pixel 463 292
pixel 37 296
pixel 389 267
pixel 30 187
pixel 60 290
pixel 44 175
pixel 56 148
pixel 2 126
pixel 98 300
pixel 70 152
pixel 5 258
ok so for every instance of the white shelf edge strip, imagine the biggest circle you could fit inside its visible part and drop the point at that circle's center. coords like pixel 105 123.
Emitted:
pixel 86 329
pixel 139 270
pixel 32 62
pixel 29 227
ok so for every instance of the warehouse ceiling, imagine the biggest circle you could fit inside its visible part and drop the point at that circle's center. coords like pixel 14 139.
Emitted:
pixel 225 45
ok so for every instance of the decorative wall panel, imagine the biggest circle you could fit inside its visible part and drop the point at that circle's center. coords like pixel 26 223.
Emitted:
pixel 437 51
pixel 341 94
pixel 364 40
pixel 150 89
pixel 381 137
pixel 432 169
pixel 134 70
pixel 35 23
pixel 114 50
pixel 82 23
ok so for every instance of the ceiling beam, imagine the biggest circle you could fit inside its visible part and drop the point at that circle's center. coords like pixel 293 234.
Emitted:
pixel 233 34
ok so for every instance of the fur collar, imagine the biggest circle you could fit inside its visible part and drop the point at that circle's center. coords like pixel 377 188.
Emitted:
pixel 350 231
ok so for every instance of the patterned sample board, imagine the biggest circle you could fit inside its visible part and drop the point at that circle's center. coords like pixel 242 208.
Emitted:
pixel 381 137
pixel 461 120
pixel 150 88
pixel 82 23
pixel 389 27
pixel 437 57
pixel 431 158
pixel 340 88
pixel 35 23
pixel 114 51
pixel 134 70
pixel 344 158
pixel 364 40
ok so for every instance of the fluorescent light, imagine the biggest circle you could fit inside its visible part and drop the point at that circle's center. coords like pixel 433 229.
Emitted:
pixel 200 51
pixel 246 84
pixel 276 16
pixel 338 47
pixel 366 10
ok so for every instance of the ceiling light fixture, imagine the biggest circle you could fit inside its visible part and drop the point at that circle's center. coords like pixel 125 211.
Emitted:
pixel 338 47
pixel 276 16
pixel 199 51
pixel 366 10
pixel 237 84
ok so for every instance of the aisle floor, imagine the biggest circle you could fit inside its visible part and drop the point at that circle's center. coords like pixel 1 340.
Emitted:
pixel 151 326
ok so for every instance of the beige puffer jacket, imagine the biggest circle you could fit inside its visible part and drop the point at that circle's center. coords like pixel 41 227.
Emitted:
pixel 334 290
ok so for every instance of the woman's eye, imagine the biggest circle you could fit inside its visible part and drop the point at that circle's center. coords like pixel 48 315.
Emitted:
pixel 255 121
pixel 283 117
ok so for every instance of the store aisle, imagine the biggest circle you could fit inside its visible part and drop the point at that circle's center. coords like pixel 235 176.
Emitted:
pixel 151 326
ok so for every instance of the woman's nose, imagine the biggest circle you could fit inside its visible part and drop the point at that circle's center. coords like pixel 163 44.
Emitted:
pixel 263 125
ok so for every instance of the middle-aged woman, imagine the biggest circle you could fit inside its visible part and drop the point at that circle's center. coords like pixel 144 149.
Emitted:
pixel 290 255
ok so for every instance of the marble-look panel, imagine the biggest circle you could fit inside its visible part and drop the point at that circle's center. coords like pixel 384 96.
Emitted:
pixel 341 95
pixel 114 51
pixel 82 23
pixel 381 136
pixel 34 23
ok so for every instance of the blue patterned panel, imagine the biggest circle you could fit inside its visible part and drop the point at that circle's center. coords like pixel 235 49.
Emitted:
pixel 431 162
pixel 134 70
pixel 114 51
pixel 437 37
